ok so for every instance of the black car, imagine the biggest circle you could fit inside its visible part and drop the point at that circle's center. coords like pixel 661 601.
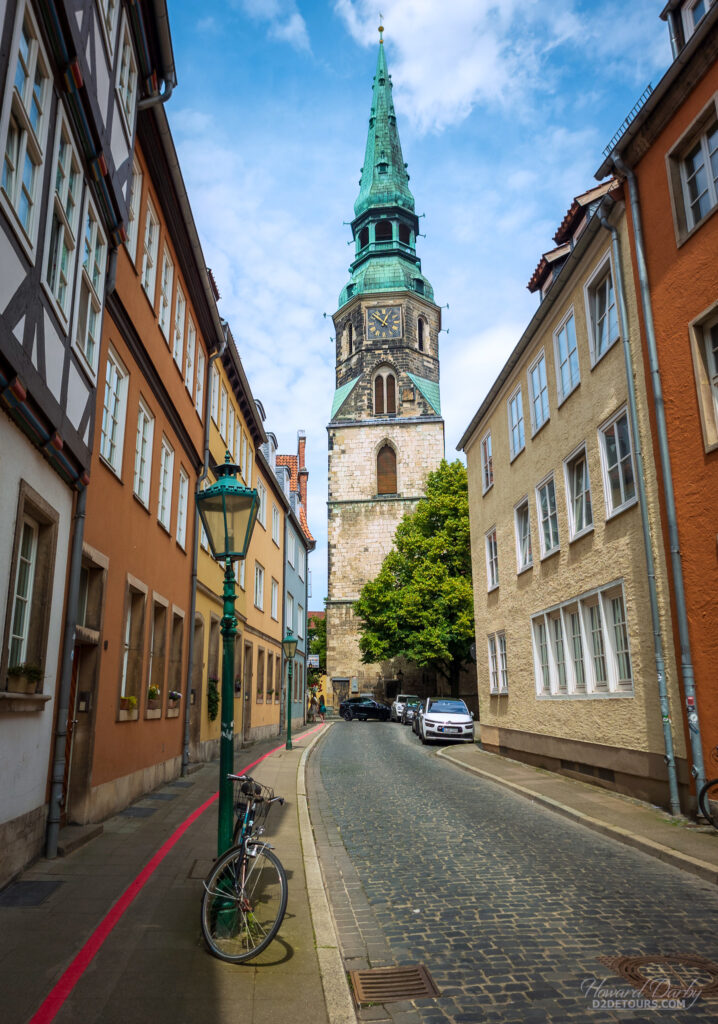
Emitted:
pixel 363 708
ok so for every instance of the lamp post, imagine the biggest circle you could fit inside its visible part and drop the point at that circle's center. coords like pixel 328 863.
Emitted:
pixel 289 646
pixel 228 511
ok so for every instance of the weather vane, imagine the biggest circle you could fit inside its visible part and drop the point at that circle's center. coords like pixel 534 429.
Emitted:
pixel 381 27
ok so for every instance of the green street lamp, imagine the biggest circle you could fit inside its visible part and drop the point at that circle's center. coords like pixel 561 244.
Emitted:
pixel 289 646
pixel 228 511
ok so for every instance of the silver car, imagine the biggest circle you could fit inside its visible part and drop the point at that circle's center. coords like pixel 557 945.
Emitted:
pixel 444 718
pixel 397 707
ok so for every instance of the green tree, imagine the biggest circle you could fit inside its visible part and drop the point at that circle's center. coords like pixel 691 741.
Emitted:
pixel 317 637
pixel 420 606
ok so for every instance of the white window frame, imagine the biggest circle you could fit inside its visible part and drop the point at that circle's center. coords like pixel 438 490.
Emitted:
pixel 572 384
pixel 275 525
pixel 230 430
pixel 601 274
pixel 538 402
pixel 487 463
pixel 569 470
pixel 30 562
pixel 164 499
pixel 199 389
pixel 150 251
pixel 242 572
pixel 300 561
pixel 31 141
pixel 259 586
pixel 493 664
pixel 182 505
pixel 143 454
pixel 114 410
pixel 503 663
pixel 262 510
pixel 524 551
pixel 250 464
pixel 127 80
pixel 291 547
pixel 190 357
pixel 166 281
pixel 243 462
pixel 517 427
pixel 133 210
pixel 275 600
pixel 222 425
pixel 108 19
pixel 214 395
pixel 601 647
pixel 90 292
pixel 300 621
pixel 180 319
pixel 492 559
pixel 689 24
pixel 64 217
pixel 289 607
pixel 610 428
pixel 551 518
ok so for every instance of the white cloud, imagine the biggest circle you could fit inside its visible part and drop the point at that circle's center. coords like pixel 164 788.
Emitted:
pixel 446 58
pixel 285 23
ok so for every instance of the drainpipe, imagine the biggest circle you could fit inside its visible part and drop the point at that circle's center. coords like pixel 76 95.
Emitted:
pixel 674 798
pixel 195 556
pixel 65 684
pixel 673 31
pixel 689 688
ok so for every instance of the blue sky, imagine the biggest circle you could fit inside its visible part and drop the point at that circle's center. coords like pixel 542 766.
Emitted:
pixel 503 106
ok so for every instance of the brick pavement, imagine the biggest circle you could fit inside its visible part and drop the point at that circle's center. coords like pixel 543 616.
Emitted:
pixel 509 905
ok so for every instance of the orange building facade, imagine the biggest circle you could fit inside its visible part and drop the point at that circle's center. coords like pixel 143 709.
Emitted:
pixel 668 160
pixel 132 651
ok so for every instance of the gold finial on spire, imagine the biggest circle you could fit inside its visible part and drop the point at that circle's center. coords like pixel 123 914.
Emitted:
pixel 381 28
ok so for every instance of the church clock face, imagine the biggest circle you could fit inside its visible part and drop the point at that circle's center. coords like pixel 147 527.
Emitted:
pixel 383 322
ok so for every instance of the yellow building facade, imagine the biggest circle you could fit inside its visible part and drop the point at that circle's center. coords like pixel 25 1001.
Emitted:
pixel 565 649
pixel 234 424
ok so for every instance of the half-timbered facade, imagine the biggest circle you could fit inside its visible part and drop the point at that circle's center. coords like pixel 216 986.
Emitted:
pixel 71 79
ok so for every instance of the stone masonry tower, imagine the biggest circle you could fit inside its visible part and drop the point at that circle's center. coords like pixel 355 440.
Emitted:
pixel 386 432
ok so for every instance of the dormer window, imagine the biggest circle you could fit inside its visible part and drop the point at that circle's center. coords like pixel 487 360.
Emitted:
pixel 382 231
pixel 382 168
pixel 693 13
pixel 418 286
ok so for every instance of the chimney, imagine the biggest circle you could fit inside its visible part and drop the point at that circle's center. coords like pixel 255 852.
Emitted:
pixel 302 483
pixel 302 443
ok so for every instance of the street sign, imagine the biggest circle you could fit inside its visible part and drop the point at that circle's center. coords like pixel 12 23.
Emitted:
pixel 312 661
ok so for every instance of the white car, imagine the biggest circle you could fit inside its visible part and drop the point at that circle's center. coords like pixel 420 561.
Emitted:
pixel 445 718
pixel 398 705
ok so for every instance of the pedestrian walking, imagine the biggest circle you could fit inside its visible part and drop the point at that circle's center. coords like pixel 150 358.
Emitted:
pixel 322 706
pixel 313 706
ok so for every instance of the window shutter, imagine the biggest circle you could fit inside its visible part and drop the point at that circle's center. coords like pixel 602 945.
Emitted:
pixel 386 471
pixel 379 395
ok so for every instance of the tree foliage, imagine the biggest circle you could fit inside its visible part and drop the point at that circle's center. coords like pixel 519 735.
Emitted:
pixel 420 606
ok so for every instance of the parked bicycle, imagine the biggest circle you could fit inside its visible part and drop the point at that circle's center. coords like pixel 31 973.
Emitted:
pixel 708 796
pixel 245 893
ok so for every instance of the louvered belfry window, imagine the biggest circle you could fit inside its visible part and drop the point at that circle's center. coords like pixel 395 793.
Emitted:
pixel 390 394
pixel 386 470
pixel 379 395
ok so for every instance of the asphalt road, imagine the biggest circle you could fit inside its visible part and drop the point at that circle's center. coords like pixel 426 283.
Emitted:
pixel 508 905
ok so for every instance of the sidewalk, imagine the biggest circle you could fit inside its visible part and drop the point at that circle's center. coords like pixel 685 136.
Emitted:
pixel 676 841
pixel 150 962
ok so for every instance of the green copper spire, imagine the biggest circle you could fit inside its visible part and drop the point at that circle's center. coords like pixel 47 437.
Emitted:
pixel 384 181
pixel 385 225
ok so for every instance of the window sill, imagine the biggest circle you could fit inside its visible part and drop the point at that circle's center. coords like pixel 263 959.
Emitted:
pixel 525 568
pixel 582 533
pixel 110 467
pixel 550 554
pixel 539 428
pixel 684 236
pixel 564 398
pixel 516 455
pixel 490 590
pixel 614 513
pixel 153 713
pixel 597 360
pixel 487 489
pixel 173 713
pixel 128 716
pixel 22 703
pixel 596 695
pixel 145 507
pixel 164 527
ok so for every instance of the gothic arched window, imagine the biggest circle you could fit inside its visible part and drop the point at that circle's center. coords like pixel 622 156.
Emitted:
pixel 382 231
pixel 379 395
pixel 390 394
pixel 386 470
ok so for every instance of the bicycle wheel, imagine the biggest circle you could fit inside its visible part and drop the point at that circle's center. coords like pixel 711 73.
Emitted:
pixel 245 897
pixel 708 801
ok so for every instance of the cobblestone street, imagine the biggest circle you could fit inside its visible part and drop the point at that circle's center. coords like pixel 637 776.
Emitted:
pixel 508 905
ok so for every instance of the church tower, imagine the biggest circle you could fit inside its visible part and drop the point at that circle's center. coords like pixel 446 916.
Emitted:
pixel 385 432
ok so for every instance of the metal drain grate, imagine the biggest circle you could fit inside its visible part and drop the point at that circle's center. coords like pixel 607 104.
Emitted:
pixel 390 984
pixel 27 894
pixel 137 812
pixel 676 976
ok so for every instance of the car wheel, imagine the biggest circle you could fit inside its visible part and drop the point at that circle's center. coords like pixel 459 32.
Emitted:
pixel 348 716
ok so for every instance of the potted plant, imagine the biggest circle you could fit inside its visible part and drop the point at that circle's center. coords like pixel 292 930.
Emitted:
pixel 24 678
pixel 128 703
pixel 270 691
pixel 212 697
pixel 173 698
pixel 153 697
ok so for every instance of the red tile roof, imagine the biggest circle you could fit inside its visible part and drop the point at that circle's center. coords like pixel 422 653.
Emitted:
pixel 544 266
pixel 292 462
pixel 304 523
pixel 576 210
